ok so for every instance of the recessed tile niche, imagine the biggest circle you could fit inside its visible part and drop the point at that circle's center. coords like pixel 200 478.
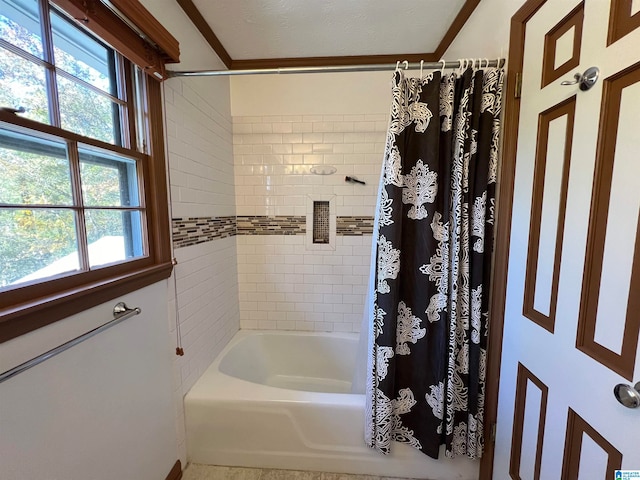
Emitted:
pixel 321 222
pixel 321 215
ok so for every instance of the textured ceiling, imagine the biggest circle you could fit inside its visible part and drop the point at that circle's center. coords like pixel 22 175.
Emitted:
pixel 258 29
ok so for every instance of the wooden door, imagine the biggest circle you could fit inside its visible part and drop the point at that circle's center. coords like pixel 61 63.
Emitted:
pixel 572 309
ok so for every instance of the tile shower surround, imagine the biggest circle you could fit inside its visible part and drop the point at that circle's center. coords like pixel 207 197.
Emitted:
pixel 200 156
pixel 273 157
pixel 226 187
pixel 283 282
pixel 284 305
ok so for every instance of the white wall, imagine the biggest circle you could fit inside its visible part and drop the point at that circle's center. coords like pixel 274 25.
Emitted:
pixel 202 185
pixel 486 33
pixel 357 93
pixel 101 410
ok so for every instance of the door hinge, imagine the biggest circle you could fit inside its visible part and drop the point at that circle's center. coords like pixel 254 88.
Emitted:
pixel 493 433
pixel 518 86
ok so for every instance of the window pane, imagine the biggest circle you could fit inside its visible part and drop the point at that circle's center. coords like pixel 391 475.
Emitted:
pixel 114 236
pixel 87 113
pixel 36 244
pixel 80 55
pixel 20 25
pixel 22 83
pixel 108 180
pixel 141 111
pixel 33 171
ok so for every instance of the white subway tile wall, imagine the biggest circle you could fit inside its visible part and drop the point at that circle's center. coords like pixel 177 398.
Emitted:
pixel 199 133
pixel 199 148
pixel 282 284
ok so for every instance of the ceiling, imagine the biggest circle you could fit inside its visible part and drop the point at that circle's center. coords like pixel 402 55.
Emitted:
pixel 281 33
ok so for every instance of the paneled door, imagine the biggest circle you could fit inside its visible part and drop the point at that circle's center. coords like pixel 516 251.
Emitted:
pixel 572 311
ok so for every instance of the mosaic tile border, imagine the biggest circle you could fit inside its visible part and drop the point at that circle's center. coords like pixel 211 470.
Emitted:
pixel 195 230
pixel 271 225
pixel 350 226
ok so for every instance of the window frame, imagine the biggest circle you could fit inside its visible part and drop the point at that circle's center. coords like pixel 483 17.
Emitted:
pixel 28 307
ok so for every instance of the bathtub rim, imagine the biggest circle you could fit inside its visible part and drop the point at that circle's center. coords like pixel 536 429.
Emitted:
pixel 215 384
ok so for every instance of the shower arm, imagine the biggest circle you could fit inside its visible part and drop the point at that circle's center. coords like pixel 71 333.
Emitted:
pixel 338 68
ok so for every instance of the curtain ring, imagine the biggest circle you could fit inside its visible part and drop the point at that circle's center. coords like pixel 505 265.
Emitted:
pixel 406 64
pixel 397 65
pixel 444 64
pixel 421 65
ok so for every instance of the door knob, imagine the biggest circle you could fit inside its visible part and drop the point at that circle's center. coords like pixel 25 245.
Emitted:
pixel 627 395
pixel 585 80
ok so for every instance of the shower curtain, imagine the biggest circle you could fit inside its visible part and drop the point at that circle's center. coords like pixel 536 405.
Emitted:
pixel 430 287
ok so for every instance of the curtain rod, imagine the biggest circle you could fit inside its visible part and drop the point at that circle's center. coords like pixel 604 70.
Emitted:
pixel 337 68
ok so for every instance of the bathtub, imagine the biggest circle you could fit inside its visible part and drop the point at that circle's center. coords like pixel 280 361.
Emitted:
pixel 283 400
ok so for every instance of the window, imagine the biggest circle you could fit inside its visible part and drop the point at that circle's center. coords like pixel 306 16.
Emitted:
pixel 51 225
pixel 83 212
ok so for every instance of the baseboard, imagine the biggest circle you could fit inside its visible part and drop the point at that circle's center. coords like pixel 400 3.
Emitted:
pixel 176 471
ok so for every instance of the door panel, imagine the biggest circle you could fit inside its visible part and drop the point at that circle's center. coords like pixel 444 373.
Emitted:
pixel 528 426
pixel 609 319
pixel 548 204
pixel 587 454
pixel 625 17
pixel 572 311
pixel 562 46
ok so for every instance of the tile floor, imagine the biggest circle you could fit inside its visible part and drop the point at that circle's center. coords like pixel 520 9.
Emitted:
pixel 210 472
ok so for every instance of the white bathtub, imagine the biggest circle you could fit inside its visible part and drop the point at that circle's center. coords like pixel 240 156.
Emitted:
pixel 283 400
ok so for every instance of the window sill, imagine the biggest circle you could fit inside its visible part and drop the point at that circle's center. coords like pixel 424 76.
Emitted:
pixel 33 314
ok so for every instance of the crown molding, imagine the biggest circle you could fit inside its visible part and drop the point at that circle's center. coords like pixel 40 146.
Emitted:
pixel 203 27
pixel 259 63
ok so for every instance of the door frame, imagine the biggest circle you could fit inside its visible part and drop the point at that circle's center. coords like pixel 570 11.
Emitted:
pixel 511 116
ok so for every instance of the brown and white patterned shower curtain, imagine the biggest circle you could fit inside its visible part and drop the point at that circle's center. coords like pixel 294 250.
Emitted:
pixel 434 230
